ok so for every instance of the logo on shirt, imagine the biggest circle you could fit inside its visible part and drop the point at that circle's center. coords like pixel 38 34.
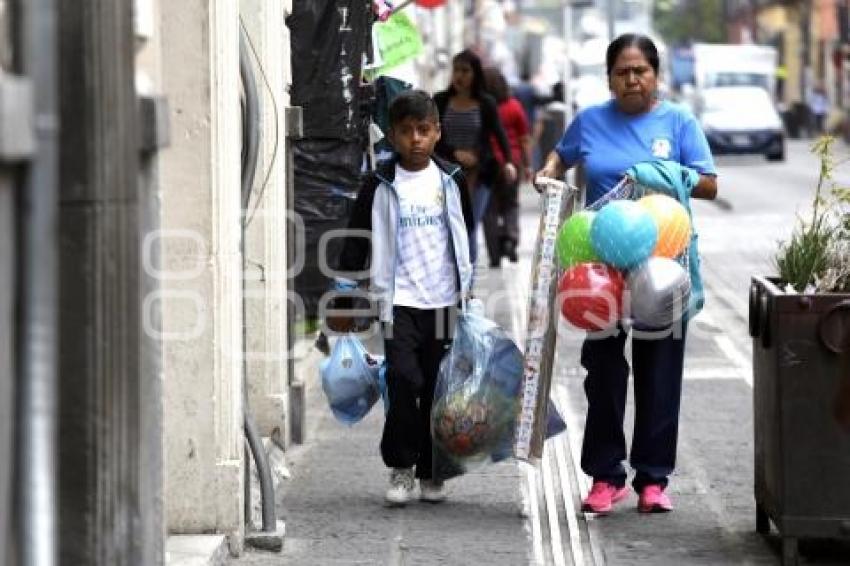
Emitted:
pixel 438 198
pixel 661 148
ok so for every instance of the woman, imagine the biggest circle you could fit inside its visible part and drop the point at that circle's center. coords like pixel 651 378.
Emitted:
pixel 501 222
pixel 468 118
pixel 633 132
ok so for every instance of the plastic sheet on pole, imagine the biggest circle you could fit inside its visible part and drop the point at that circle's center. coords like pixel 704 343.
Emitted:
pixel 328 42
pixel 327 177
pixel 329 39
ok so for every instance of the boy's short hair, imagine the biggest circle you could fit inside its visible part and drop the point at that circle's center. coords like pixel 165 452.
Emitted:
pixel 416 104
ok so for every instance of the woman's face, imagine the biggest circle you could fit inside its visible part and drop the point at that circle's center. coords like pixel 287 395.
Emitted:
pixel 633 81
pixel 462 76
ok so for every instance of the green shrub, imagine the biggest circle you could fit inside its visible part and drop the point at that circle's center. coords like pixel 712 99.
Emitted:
pixel 817 257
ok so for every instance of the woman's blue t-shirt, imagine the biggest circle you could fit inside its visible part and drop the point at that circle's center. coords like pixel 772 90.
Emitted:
pixel 609 141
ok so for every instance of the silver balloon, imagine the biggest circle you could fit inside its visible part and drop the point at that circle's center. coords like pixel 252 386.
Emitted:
pixel 660 289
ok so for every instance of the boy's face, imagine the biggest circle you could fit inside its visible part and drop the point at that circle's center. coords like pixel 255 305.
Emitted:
pixel 414 141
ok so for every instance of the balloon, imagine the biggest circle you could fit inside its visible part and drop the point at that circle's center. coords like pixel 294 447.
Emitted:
pixel 573 244
pixel 674 225
pixel 623 234
pixel 468 425
pixel 660 289
pixel 591 295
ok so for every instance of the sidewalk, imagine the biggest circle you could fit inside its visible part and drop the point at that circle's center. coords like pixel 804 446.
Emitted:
pixel 334 512
pixel 513 514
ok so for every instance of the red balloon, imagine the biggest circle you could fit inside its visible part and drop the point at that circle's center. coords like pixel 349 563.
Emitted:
pixel 430 3
pixel 591 295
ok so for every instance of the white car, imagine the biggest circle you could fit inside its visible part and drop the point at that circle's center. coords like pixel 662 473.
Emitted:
pixel 741 120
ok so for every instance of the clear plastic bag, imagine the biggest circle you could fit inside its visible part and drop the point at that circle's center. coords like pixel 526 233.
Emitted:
pixel 476 396
pixel 350 379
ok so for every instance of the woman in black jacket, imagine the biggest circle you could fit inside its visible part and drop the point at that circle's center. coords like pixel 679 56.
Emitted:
pixel 469 118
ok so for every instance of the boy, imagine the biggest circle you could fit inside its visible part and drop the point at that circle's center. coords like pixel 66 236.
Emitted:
pixel 417 211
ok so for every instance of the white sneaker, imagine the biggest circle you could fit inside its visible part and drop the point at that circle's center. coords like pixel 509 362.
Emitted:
pixel 401 487
pixel 431 491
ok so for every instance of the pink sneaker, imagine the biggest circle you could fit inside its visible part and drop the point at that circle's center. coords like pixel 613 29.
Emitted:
pixel 653 500
pixel 602 497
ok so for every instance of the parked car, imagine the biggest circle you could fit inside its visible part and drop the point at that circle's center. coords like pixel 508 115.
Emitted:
pixel 741 120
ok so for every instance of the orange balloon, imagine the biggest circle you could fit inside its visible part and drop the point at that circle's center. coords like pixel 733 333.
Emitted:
pixel 674 225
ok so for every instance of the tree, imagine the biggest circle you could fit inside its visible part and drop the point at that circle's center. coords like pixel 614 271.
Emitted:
pixel 686 21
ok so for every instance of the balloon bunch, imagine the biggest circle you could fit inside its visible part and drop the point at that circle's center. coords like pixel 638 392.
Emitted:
pixel 625 245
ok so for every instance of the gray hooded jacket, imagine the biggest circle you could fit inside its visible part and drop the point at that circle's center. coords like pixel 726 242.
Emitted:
pixel 375 218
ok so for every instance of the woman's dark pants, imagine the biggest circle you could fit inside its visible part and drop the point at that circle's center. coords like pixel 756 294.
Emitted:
pixel 657 365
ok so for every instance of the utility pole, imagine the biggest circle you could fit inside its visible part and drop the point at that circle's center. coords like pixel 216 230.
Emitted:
pixel 611 16
pixel 110 446
pixel 567 16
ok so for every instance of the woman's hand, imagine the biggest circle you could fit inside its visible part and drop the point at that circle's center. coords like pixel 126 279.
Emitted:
pixel 548 172
pixel 466 157
pixel 553 169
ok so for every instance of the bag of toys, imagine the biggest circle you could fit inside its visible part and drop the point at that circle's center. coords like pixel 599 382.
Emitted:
pixel 350 379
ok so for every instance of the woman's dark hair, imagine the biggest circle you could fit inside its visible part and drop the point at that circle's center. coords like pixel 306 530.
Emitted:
pixel 646 46
pixel 470 58
pixel 497 85
pixel 416 104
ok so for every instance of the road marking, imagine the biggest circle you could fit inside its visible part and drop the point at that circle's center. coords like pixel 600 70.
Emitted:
pixel 532 502
pixel 707 374
pixel 730 350
pixel 536 529
pixel 552 509
pixel 569 503
pixel 571 444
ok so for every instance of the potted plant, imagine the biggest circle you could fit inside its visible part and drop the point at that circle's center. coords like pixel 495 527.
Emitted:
pixel 800 324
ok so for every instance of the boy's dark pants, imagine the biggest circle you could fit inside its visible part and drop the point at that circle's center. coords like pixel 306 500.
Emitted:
pixel 658 365
pixel 414 345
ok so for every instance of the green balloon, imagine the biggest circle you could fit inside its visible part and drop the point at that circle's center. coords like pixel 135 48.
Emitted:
pixel 573 244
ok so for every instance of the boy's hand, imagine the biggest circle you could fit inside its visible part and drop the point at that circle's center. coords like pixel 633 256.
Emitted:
pixel 340 323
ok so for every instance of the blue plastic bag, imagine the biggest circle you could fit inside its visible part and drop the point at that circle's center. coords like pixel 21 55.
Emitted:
pixel 382 385
pixel 350 379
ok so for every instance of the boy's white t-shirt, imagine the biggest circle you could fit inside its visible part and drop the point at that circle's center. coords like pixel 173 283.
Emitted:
pixel 425 271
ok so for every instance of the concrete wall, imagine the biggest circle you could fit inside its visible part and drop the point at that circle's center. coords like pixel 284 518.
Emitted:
pixel 265 238
pixel 201 300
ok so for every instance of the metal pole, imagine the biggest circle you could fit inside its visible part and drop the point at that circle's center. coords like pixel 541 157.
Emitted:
pixel 251 141
pixel 567 16
pixel 611 16
pixel 36 479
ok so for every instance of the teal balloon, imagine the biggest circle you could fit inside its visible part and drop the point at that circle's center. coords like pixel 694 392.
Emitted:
pixel 623 234
pixel 573 244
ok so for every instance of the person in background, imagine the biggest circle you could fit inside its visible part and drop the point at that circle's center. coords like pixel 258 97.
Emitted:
pixel 634 133
pixel 819 107
pixel 551 121
pixel 501 222
pixel 525 92
pixel 417 211
pixel 469 118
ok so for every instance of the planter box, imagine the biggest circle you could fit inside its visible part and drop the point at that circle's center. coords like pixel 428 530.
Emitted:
pixel 802 454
